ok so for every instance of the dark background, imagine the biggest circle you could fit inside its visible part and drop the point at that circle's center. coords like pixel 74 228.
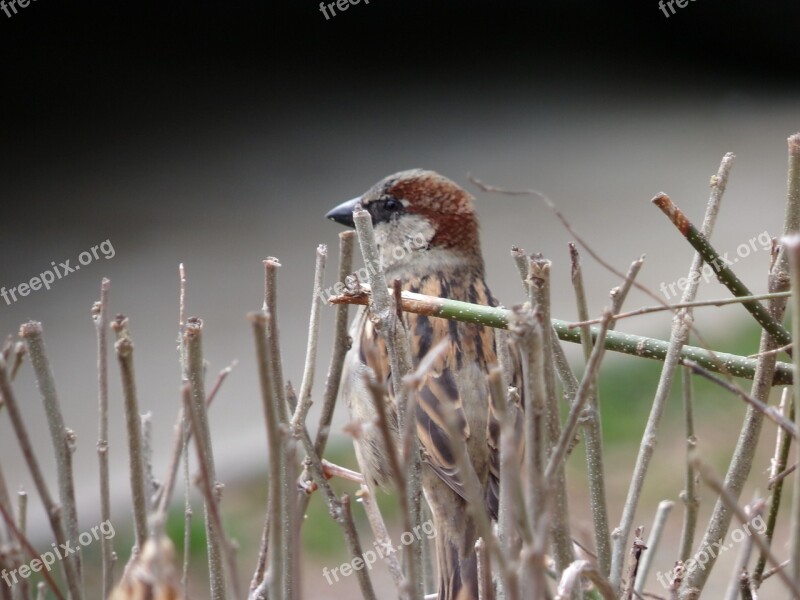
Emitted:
pixel 217 134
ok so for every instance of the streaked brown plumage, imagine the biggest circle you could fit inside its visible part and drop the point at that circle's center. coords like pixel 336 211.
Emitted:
pixel 427 232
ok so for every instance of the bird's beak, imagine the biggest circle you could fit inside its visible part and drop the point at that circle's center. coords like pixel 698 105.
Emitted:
pixel 343 213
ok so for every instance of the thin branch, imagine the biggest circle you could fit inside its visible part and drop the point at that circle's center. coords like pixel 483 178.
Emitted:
pixel 381 534
pixel 726 276
pixel 100 318
pixel 124 351
pixel 793 249
pixel 397 346
pixel 539 276
pixel 679 336
pixel 63 439
pixel 747 443
pixel 626 343
pixel 656 531
pixel 770 412
pixel 23 540
pixel 646 310
pixel 717 485
pixel 783 444
pixel 210 489
pixel 637 548
pixel 215 535
pixel 689 495
pixel 183 436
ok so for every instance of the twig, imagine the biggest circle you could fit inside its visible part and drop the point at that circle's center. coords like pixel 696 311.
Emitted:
pixel 769 411
pixel 744 453
pixel 679 336
pixel 209 487
pixel 716 484
pixel 341 344
pixel 23 540
pixel 778 470
pixel 100 318
pixel 62 438
pixel 270 307
pixel 22 524
pixel 740 581
pixel 662 514
pixel 151 485
pixel 276 444
pixel 635 345
pixel 215 535
pixel 571 424
pixel 484 571
pixel 124 351
pixel 793 249
pixel 726 276
pixel 637 548
pixel 397 346
pixel 689 495
pixel 646 310
pixel 381 534
pixel 539 276
pixel 52 509
pixel 512 522
pixel 183 436
pixel 527 331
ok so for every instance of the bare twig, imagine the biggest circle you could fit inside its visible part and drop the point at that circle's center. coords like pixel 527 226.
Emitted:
pixel 637 548
pixel 679 336
pixel 664 508
pixel 100 318
pixel 783 443
pixel 215 536
pixel 62 438
pixel 769 411
pixel 689 494
pixel 744 453
pixel 717 485
pixel 646 310
pixel 539 276
pixel 399 351
pixel 52 509
pixel 210 489
pixel 124 350
pixel 381 534
pixel 726 276
pixel 23 540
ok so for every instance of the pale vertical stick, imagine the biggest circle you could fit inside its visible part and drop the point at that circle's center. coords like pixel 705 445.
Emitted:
pixel 124 350
pixel 679 336
pixel 63 439
pixel 100 318
pixel 193 338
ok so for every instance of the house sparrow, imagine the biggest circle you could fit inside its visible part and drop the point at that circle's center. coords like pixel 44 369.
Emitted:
pixel 427 232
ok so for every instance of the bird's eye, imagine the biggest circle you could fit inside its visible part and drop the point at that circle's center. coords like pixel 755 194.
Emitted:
pixel 392 204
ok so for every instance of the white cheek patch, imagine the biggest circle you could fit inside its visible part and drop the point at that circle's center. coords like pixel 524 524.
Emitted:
pixel 398 239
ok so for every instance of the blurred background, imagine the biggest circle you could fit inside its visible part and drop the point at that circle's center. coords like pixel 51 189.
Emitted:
pixel 216 134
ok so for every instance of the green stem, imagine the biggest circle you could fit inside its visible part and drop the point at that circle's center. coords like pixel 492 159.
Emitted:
pixel 718 264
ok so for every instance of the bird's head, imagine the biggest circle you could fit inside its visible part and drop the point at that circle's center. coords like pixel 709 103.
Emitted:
pixel 419 217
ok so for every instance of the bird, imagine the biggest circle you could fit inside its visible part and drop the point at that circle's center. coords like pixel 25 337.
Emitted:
pixel 427 233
